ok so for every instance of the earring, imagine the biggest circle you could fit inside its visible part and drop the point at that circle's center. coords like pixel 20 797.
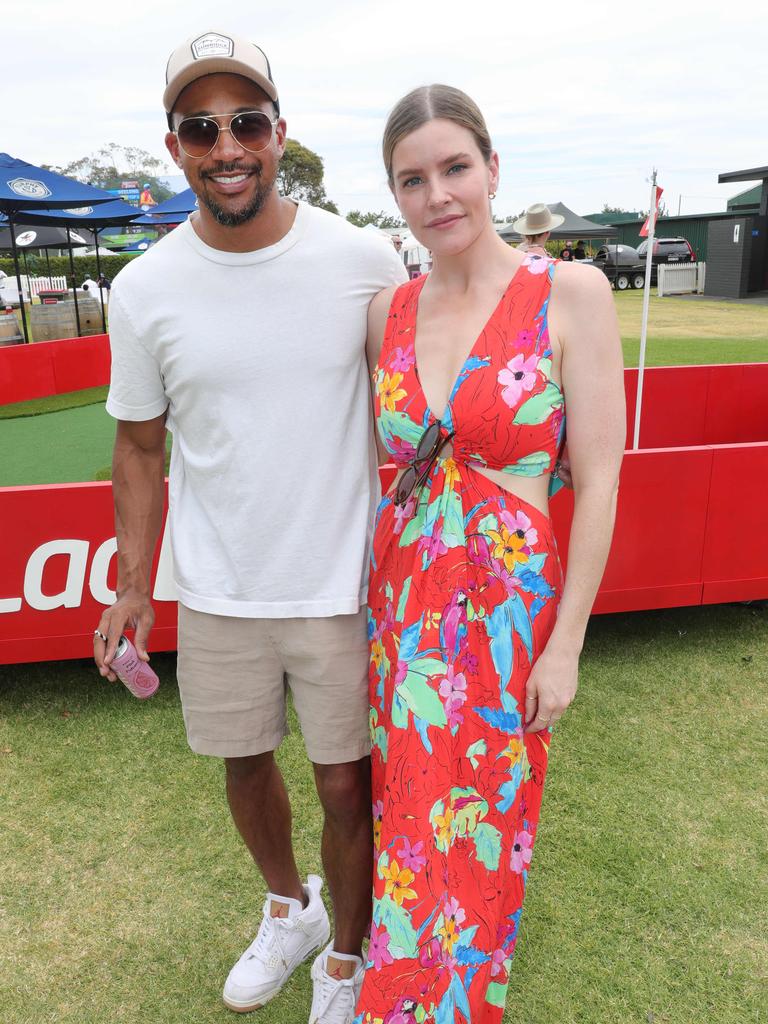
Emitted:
pixel 491 195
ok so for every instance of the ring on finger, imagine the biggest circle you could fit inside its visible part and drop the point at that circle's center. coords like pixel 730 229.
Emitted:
pixel 99 635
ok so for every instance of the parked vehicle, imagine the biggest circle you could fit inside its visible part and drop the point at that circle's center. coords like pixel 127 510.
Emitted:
pixel 667 250
pixel 621 264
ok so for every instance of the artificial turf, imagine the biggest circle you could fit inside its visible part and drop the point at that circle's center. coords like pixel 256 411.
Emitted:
pixel 54 403
pixel 57 447
pixel 127 894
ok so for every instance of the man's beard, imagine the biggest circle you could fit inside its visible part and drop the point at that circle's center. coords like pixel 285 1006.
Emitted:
pixel 234 218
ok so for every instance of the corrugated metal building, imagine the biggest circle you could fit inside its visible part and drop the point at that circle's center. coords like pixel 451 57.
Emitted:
pixel 747 201
pixel 694 227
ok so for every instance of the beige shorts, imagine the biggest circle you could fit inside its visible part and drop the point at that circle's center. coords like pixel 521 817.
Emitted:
pixel 234 675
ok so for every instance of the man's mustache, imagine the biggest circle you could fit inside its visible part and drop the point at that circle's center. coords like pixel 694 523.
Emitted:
pixel 233 168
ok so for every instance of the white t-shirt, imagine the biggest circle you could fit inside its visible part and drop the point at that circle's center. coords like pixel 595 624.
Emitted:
pixel 259 358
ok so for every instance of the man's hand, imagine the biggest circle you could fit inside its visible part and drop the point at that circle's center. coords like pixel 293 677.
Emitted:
pixel 132 609
pixel 563 468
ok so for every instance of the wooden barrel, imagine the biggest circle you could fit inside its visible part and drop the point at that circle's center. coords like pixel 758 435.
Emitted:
pixel 48 323
pixel 10 332
pixel 90 316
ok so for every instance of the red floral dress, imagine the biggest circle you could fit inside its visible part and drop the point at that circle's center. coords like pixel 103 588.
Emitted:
pixel 465 584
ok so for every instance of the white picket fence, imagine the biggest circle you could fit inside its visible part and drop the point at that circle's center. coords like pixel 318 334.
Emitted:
pixel 681 278
pixel 35 285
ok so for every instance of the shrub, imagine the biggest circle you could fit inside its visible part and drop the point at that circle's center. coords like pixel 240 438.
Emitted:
pixel 85 266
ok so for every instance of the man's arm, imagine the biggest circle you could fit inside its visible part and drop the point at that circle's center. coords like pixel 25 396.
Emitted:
pixel 138 472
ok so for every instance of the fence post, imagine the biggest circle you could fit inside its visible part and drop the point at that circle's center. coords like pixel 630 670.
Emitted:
pixel 660 286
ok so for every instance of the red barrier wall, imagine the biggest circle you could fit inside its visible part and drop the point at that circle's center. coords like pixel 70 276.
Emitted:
pixel 694 405
pixel 57 549
pixel 53 367
pixel 735 555
pixel 690 529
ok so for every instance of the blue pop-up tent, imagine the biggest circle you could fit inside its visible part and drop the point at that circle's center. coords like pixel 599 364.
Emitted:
pixel 185 203
pixel 23 186
pixel 170 211
pixel 157 220
pixel 95 217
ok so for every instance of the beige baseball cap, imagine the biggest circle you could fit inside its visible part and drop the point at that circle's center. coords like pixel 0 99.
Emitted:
pixel 212 53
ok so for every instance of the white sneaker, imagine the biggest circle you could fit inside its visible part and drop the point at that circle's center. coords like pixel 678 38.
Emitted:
pixel 333 1002
pixel 281 944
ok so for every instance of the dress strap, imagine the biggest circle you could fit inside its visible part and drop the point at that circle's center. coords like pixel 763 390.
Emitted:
pixel 401 316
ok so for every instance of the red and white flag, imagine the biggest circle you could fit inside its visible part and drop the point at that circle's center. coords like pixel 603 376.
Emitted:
pixel 645 228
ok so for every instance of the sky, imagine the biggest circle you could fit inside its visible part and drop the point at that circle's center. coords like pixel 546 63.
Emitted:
pixel 582 99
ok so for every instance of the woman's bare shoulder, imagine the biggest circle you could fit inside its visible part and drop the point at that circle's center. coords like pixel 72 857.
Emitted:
pixel 580 282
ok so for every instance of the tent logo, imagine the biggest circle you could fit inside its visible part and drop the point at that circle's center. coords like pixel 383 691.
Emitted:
pixel 80 211
pixel 77 238
pixel 212 45
pixel 26 238
pixel 29 188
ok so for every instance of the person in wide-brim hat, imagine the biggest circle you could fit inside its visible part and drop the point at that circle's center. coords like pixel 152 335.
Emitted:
pixel 537 220
pixel 535 226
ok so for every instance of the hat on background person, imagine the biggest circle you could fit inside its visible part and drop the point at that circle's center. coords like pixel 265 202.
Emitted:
pixel 216 53
pixel 537 219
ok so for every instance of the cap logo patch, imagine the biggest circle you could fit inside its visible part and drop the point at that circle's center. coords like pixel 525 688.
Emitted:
pixel 212 45
pixel 29 188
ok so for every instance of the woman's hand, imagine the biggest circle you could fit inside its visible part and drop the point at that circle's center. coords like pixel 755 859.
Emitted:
pixel 551 687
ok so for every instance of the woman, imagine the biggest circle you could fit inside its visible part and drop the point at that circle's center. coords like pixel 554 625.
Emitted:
pixel 471 664
pixel 536 225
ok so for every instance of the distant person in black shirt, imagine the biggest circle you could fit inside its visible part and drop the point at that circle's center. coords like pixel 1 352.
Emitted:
pixel 579 253
pixel 566 253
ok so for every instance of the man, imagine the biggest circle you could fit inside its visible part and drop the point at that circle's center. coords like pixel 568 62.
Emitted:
pixel 243 332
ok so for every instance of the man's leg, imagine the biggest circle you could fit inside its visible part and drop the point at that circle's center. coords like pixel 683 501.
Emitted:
pixel 295 923
pixel 347 849
pixel 261 810
pixel 326 663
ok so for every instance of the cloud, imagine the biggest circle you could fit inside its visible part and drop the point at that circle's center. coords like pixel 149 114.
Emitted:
pixel 582 100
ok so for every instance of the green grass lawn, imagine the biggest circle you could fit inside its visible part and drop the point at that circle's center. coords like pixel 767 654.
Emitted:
pixel 687 332
pixel 127 895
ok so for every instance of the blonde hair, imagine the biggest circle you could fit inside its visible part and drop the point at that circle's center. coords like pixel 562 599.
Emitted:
pixel 425 104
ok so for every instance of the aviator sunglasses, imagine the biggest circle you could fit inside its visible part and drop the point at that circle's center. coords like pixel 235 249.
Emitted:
pixel 429 447
pixel 252 130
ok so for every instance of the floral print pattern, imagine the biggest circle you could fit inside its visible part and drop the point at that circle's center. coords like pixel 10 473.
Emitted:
pixel 465 581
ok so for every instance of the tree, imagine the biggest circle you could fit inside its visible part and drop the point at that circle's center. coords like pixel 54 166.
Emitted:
pixel 300 176
pixel 616 210
pixel 113 164
pixel 379 220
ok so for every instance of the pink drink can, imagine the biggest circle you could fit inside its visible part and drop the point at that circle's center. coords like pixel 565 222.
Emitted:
pixel 131 670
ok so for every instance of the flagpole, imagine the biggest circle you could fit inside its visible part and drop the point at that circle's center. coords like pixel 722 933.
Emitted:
pixel 646 303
